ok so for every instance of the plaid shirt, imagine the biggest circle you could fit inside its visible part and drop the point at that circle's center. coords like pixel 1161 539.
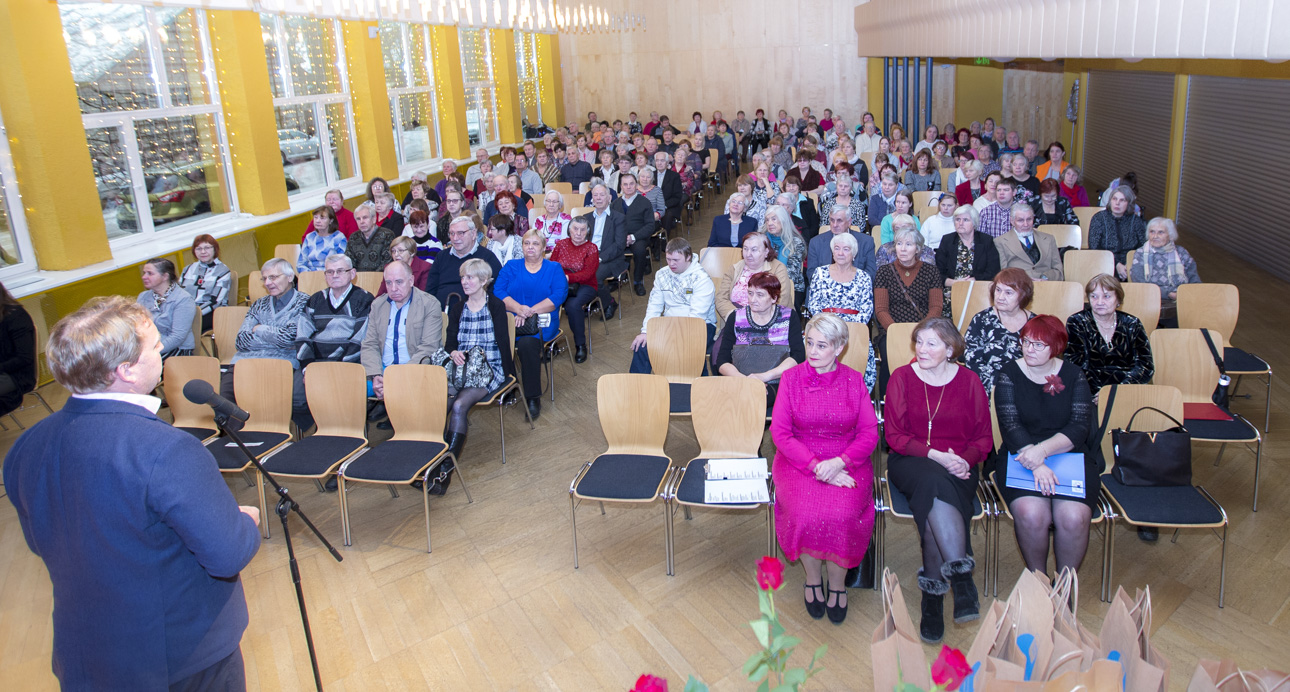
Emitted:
pixel 994 220
pixel 476 329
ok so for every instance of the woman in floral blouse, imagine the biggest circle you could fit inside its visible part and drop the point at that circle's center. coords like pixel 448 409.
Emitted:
pixel 992 334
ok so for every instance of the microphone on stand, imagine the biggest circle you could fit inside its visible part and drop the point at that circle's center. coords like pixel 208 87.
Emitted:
pixel 227 412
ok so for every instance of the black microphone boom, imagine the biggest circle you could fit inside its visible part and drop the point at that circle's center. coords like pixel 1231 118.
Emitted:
pixel 201 392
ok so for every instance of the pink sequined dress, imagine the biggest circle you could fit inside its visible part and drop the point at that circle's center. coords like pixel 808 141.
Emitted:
pixel 819 417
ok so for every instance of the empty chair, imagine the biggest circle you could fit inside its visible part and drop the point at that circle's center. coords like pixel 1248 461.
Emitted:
pixel 225 322
pixel 290 253
pixel 1143 302
pixel 899 352
pixel 416 397
pixel 195 419
pixel 1066 236
pixel 718 260
pixel 310 283
pixel 1217 307
pixel 676 351
pixel 1079 266
pixel 370 281
pixel 562 188
pixel 1085 215
pixel 966 300
pixel 1060 299
pixel 337 394
pixel 923 199
pixel 633 417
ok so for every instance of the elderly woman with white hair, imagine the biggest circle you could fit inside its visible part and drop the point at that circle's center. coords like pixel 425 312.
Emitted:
pixel 789 247
pixel 841 289
pixel 729 229
pixel 554 222
pixel 886 253
pixel 1118 229
pixel 1162 262
pixel 269 329
pixel 846 195
pixel 966 254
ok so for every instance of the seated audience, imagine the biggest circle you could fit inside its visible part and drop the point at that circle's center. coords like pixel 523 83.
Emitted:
pixel 758 256
pixel 996 218
pixel 805 216
pixel 17 352
pixel 639 223
pixel 886 253
pixel 1025 248
pixel 789 247
pixel 533 289
pixel 333 324
pixel 993 334
pixel 502 239
pixel 820 252
pixel 908 289
pixel 669 181
pixel 473 174
pixel 1026 187
pixel 208 280
pixel 645 185
pixel 923 174
pixel 942 223
pixel 883 202
pixel 988 197
pixel 1162 262
pixel 269 329
pixel 530 182
pixel 841 289
pixel 972 186
pixel 902 203
pixel 453 206
pixel 554 221
pixel 825 432
pixel 545 168
pixel 427 244
pixel 1118 229
pixel 1044 408
pixel 811 178
pixel 942 159
pixel 344 217
pixel 405 251
pixel 1054 167
pixel 683 289
pixel 729 229
pixel 326 239
pixel 762 339
pixel 1071 189
pixel 1051 207
pixel 444 278
pixel 579 259
pixel 846 196
pixel 171 307
pixel 935 462
pixel 450 176
pixel 1108 344
pixel 967 254
pixel 387 215
pixel 419 190
pixel 369 248
pixel 405 325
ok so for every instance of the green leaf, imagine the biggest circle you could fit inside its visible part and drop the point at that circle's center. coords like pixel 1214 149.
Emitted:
pixel 693 685
pixel 795 677
pixel 761 628
pixel 764 686
pixel 819 653
pixel 762 671
pixel 753 661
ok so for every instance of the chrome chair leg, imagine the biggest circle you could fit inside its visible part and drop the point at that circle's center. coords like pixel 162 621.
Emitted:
pixel 573 522
pixel 425 502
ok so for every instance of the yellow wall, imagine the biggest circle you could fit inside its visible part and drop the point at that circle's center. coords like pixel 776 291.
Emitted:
pixel 373 129
pixel 509 110
pixel 449 86
pixel 874 72
pixel 978 92
pixel 550 80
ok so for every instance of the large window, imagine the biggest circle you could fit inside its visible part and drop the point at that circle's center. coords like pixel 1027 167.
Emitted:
pixel 151 114
pixel 477 73
pixel 311 101
pixel 409 79
pixel 15 246
pixel 527 74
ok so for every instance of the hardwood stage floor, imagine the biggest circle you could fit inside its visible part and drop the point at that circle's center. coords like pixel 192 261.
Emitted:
pixel 498 605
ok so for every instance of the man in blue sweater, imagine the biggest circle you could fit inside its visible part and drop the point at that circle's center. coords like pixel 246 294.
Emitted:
pixel 142 538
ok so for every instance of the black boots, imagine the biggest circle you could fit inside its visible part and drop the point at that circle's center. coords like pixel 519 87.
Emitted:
pixel 535 407
pixel 932 627
pixel 455 442
pixel 959 573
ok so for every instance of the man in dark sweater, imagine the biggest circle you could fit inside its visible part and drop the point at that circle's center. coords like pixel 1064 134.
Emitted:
pixel 574 170
pixel 369 247
pixel 332 325
pixel 444 278
pixel 141 536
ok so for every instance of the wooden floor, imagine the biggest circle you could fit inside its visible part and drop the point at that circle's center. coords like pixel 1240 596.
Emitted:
pixel 498 605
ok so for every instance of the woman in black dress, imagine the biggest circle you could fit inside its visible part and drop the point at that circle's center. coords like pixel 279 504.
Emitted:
pixel 1045 408
pixel 1109 345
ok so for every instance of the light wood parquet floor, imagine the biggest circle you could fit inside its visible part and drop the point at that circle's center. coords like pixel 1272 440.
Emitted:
pixel 498 605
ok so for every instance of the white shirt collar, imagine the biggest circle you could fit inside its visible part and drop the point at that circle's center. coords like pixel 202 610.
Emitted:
pixel 336 302
pixel 147 401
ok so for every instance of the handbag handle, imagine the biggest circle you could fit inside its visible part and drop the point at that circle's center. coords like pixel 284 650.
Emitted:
pixel 1129 428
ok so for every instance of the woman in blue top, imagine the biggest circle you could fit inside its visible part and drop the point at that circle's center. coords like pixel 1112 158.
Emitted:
pixel 172 308
pixel 324 240
pixel 533 288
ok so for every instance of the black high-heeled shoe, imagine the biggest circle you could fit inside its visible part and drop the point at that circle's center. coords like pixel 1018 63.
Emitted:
pixel 837 613
pixel 815 608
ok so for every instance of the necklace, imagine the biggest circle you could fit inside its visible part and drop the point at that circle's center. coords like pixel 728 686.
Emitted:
pixel 931 415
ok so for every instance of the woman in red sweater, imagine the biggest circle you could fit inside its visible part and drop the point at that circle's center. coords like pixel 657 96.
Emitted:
pixel 580 259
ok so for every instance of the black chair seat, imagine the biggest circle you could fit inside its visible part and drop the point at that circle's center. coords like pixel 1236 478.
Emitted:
pixel 313 456
pixel 680 397
pixel 1162 506
pixel 230 458
pixel 900 504
pixel 692 484
pixel 395 461
pixel 1237 360
pixel 202 434
pixel 1234 430
pixel 623 477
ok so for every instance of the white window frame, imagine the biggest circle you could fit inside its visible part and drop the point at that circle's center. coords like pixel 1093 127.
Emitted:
pixel 17 216
pixel 530 37
pixel 319 103
pixel 494 138
pixel 405 29
pixel 125 122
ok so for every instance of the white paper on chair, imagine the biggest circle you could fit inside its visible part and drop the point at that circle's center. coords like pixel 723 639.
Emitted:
pixel 736 469
pixel 736 481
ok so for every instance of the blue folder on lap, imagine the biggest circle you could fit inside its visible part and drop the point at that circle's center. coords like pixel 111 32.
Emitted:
pixel 1068 467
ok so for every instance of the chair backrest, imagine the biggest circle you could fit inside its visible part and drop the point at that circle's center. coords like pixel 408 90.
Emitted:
pixel 676 346
pixel 290 253
pixel 923 198
pixel 255 289
pixel 310 283
pixel 899 350
pixel 877 240
pixel 713 155
pixel 815 199
pixel 337 395
pixel 416 397
pixel 1183 360
pixel 584 188
pixel 562 188
pixel 966 300
pixel 1060 299
pixel 1065 234
pixel 633 412
pixel 534 213
pixel 1085 215
pixel 729 415
pixel 718 260
pixel 225 322
pixel 262 386
pixel 994 427
pixel 370 281
pixel 1128 399
pixel 1142 301
pixel 867 157
pixel 1128 262
pixel 199 344
pixel 575 212
pixel 573 200
pixel 856 355
pixel 947 178
pixel 925 213
pixel 179 371
pixel 1209 306
pixel 1079 266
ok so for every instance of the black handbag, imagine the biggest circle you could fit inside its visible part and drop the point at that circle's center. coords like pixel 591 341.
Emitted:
pixel 529 327
pixel 1160 459
pixel 1221 396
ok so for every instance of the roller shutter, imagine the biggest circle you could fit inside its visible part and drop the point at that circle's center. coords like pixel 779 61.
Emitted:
pixel 1127 129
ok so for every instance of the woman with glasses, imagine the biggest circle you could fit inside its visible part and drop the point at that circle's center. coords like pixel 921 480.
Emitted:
pixel 207 280
pixel 992 334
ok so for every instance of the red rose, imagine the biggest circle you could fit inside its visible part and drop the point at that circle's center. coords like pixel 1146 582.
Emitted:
pixel 770 573
pixel 950 668
pixel 649 683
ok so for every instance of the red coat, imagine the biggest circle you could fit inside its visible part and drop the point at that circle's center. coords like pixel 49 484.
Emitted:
pixel 344 219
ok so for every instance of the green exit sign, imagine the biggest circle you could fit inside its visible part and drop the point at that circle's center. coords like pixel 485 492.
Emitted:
pixel 982 61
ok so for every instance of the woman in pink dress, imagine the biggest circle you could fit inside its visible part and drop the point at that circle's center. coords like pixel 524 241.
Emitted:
pixel 825 431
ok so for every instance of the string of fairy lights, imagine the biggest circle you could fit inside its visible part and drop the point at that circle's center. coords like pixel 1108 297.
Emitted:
pixel 547 16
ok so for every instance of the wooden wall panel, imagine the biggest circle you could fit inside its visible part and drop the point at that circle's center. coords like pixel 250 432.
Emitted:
pixel 726 55
pixel 1034 103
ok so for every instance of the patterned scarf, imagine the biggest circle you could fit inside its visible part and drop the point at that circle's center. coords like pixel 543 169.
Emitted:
pixel 1168 257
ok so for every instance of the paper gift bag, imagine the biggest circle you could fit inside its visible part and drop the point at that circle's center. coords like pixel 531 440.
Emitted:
pixel 1224 676
pixel 1103 676
pixel 896 649
pixel 1121 640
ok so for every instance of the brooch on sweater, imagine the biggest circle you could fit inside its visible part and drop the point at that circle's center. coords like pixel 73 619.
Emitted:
pixel 1054 386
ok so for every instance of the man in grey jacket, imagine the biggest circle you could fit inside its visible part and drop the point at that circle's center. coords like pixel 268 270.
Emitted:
pixel 404 326
pixel 684 289
pixel 607 224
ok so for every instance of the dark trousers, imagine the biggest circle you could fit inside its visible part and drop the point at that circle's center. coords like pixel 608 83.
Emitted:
pixel 529 350
pixel 640 357
pixel 603 275
pixel 299 404
pixel 575 309
pixel 640 253
pixel 228 675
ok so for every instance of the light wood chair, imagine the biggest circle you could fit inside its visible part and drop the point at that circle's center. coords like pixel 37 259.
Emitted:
pixel 729 419
pixel 580 210
pixel 562 188
pixel 416 398
pixel 1172 507
pixel 1060 299
pixel 1143 302
pixel 510 384
pixel 925 213
pixel 310 283
pixel 718 260
pixel 1128 263
pixel 1079 266
pixel 1085 216
pixel 868 157
pixel 856 355
pixel 255 287
pixel 290 253
pixel 573 200
pixel 225 323
pixel 262 387
pixel 337 395
pixel 1182 360
pixel 1065 235
pixel 966 300
pixel 676 352
pixel 1216 307
pixel 633 413
pixel 584 188
pixel 899 350
pixel 196 419
pixel 199 338
pixel 947 178
pixel 369 281
pixel 923 199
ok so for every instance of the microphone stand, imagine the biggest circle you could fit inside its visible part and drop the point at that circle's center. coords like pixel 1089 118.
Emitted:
pixel 286 505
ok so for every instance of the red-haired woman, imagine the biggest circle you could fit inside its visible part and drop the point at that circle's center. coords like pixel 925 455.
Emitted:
pixel 992 335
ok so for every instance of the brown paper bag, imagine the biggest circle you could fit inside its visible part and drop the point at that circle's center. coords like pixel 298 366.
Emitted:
pixel 1149 652
pixel 897 652
pixel 1121 641
pixel 1224 676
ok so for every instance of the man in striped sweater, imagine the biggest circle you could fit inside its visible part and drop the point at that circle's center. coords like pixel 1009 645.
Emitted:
pixel 333 323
